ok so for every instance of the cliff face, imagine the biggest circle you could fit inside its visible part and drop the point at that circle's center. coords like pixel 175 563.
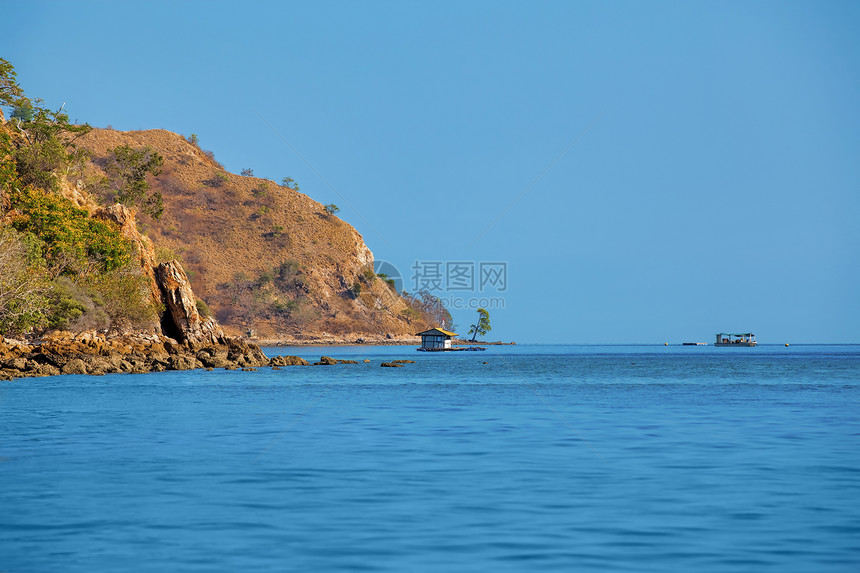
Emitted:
pixel 262 255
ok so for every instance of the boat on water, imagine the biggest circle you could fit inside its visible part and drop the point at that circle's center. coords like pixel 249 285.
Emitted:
pixel 735 339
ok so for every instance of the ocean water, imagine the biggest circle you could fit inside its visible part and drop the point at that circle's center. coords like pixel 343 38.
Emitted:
pixel 549 458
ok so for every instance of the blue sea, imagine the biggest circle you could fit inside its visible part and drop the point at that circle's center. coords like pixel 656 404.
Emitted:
pixel 519 458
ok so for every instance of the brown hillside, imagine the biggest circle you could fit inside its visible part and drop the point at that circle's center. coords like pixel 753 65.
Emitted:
pixel 263 256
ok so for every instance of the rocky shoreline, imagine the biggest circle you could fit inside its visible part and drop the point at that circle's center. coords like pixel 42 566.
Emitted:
pixel 98 354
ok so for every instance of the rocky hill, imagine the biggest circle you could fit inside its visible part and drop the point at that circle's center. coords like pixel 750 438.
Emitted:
pixel 262 255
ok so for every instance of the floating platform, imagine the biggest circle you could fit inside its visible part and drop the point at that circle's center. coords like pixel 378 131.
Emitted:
pixel 733 339
pixel 457 349
pixel 694 344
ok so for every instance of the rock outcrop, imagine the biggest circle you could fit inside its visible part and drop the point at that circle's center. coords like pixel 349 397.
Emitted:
pixel 181 319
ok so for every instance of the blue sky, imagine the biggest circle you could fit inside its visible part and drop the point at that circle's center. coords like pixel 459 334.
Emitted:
pixel 714 182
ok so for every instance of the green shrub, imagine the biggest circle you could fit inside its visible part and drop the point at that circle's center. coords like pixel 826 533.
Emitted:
pixel 164 255
pixel 331 209
pixel 41 163
pixel 284 307
pixel 124 294
pixel 203 309
pixel 261 190
pixel 72 238
pixel 75 307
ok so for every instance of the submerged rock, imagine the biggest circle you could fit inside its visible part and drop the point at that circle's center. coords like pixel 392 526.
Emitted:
pixel 288 361
pixel 329 361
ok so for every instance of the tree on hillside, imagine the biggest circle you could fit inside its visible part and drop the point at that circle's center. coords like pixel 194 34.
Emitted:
pixel 127 169
pixel 331 209
pixel 10 92
pixel 290 183
pixel 426 302
pixel 22 112
pixel 22 285
pixel 50 151
pixel 483 325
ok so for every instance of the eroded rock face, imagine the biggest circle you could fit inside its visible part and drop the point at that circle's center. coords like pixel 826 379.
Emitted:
pixel 181 320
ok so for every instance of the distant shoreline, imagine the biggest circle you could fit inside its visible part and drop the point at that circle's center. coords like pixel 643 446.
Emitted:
pixel 360 341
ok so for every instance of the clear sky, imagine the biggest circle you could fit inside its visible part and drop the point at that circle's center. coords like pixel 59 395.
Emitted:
pixel 713 182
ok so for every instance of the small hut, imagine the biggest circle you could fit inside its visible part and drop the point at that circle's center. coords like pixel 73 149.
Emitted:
pixel 436 339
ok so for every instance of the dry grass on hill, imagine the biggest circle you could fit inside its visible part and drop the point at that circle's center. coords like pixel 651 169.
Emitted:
pixel 261 255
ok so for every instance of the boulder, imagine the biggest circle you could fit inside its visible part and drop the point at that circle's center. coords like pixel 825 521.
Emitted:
pixel 74 366
pixel 10 348
pixel 46 370
pixel 98 366
pixel 391 365
pixel 288 361
pixel 182 362
pixel 19 363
